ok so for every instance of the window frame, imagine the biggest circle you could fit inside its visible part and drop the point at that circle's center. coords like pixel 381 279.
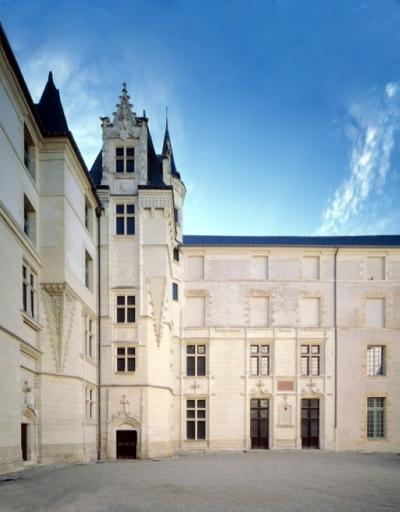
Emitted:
pixel 309 356
pixel 127 217
pixel 29 220
pixel 126 306
pixel 175 291
pixel 29 291
pixel 90 401
pixel 196 415
pixel 89 336
pixel 129 354
pixel 194 358
pixel 29 153
pixel 376 429
pixel 372 362
pixel 124 158
pixel 259 356
pixel 89 272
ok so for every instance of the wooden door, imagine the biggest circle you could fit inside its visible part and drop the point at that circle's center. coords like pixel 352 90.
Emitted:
pixel 126 444
pixel 24 441
pixel 259 423
pixel 310 423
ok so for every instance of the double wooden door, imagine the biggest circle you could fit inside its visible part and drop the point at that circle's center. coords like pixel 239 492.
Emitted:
pixel 259 417
pixel 126 444
pixel 310 423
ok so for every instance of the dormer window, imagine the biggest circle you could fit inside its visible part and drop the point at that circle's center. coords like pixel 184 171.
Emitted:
pixel 124 159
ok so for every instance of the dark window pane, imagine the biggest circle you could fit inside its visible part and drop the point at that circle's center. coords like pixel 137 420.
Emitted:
pixel 190 430
pixel 120 226
pixel 201 404
pixel 201 413
pixel 176 254
pixel 131 300
pixel 120 365
pixel 32 304
pixel 121 300
pixel 24 297
pixel 190 366
pixel 119 208
pixel 190 349
pixel 130 226
pixel 24 272
pixel 119 151
pixel 191 413
pixel 121 350
pixel 131 350
pixel 201 365
pixel 201 430
pixel 174 291
pixel 120 315
pixel 131 364
pixel 130 151
pixel 131 315
pixel 119 165
pixel 130 208
pixel 190 404
pixel 130 166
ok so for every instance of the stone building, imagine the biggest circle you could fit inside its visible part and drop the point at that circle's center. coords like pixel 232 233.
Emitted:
pixel 121 337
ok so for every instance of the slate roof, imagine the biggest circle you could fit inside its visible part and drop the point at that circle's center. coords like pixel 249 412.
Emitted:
pixel 51 111
pixel 167 148
pixel 154 165
pixel 292 241
pixel 96 172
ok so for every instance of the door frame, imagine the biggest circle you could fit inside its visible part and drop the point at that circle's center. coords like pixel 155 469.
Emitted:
pixel 131 430
pixel 310 397
pixel 269 409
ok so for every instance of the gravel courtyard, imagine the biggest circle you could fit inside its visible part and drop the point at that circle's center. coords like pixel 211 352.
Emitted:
pixel 257 481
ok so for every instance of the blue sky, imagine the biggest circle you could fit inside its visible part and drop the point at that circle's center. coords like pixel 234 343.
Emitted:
pixel 284 114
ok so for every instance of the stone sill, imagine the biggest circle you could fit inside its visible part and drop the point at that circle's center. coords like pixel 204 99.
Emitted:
pixel 31 321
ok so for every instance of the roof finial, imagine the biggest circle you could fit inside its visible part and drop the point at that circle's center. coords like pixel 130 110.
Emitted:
pixel 166 118
pixel 124 91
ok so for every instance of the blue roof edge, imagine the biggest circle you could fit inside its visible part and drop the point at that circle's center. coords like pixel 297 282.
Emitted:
pixel 292 241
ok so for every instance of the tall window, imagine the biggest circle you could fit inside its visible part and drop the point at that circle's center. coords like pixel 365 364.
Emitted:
pixel 29 153
pixel 126 359
pixel 29 220
pixel 176 253
pixel 195 419
pixel 88 271
pixel 175 294
pixel 124 159
pixel 259 360
pixel 28 291
pixel 376 360
pixel 195 360
pixel 310 360
pixel 90 394
pixel 89 335
pixel 125 219
pixel 126 309
pixel 88 215
pixel 376 418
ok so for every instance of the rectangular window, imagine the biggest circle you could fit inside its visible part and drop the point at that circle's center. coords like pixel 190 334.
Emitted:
pixel 29 220
pixel 28 291
pixel 125 219
pixel 175 294
pixel 311 267
pixel 88 215
pixel 310 360
pixel 124 159
pixel 376 313
pixel 195 360
pixel 126 359
pixel 376 268
pixel 376 360
pixel 176 253
pixel 88 271
pixel 176 215
pixel 196 419
pixel 126 309
pixel 90 402
pixel 259 360
pixel 310 312
pixel 29 152
pixel 89 335
pixel 376 418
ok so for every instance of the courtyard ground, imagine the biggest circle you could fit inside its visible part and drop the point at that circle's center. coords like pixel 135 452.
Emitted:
pixel 256 481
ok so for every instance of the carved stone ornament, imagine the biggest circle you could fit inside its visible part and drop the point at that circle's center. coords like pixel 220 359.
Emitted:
pixel 124 415
pixel 59 305
pixel 157 296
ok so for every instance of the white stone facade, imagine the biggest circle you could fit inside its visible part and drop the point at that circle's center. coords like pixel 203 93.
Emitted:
pixel 191 344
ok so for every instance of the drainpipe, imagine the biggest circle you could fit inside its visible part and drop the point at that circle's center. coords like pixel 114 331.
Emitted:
pixel 98 215
pixel 335 333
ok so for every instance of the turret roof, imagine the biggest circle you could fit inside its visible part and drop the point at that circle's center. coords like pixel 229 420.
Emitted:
pixel 51 111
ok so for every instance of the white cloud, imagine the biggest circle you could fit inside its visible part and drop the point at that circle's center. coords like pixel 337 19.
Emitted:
pixel 357 204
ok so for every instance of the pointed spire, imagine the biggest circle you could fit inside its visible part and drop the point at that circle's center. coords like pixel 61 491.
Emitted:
pixel 50 109
pixel 167 147
pixel 124 117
